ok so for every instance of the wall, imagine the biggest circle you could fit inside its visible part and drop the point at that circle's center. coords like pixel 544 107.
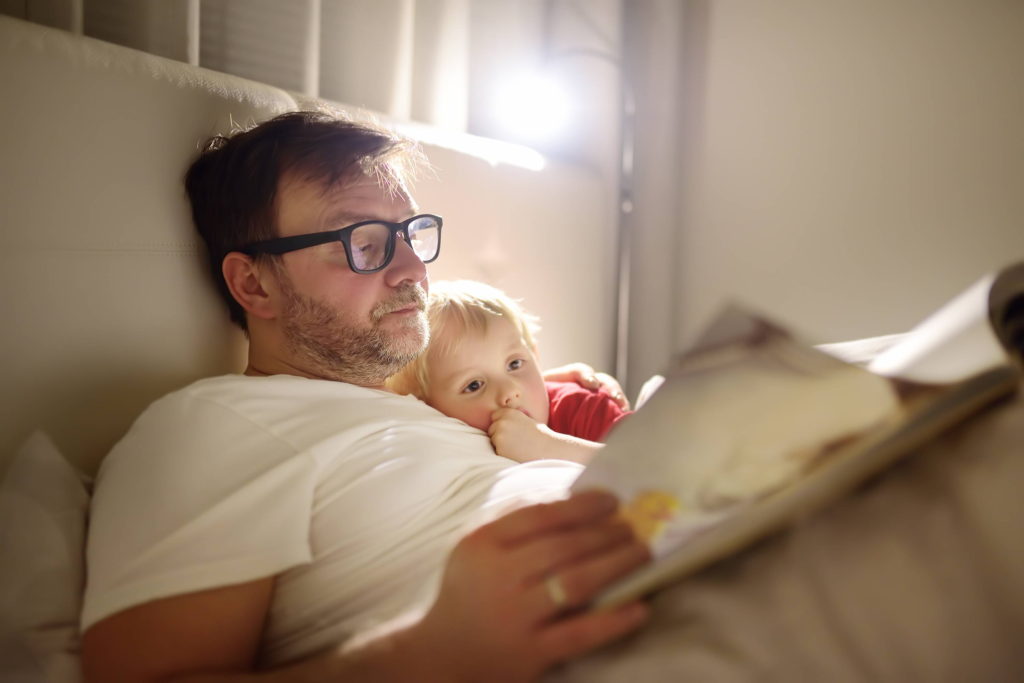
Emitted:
pixel 853 164
pixel 847 166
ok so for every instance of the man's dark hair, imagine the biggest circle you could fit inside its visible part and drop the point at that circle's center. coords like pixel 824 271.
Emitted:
pixel 233 184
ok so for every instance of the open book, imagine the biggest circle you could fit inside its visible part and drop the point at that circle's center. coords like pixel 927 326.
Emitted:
pixel 752 429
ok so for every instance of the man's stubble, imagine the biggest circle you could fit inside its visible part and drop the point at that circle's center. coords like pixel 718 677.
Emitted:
pixel 361 353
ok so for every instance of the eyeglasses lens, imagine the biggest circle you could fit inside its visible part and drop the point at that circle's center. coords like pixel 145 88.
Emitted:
pixel 370 243
pixel 424 238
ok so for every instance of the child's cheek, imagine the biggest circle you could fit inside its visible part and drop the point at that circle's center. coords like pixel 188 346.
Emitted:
pixel 478 417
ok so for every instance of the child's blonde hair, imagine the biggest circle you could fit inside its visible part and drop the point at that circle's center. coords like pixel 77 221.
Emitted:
pixel 455 308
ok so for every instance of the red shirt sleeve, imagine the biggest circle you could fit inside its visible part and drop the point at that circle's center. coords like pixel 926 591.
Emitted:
pixel 581 412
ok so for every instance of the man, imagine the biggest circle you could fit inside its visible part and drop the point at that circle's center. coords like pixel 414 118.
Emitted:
pixel 297 518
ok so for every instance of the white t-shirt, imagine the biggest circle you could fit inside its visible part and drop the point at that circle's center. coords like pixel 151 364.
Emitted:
pixel 352 497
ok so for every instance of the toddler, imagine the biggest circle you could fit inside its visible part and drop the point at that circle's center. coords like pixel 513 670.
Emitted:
pixel 481 367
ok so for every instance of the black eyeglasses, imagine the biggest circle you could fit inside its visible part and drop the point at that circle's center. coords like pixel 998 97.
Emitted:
pixel 369 245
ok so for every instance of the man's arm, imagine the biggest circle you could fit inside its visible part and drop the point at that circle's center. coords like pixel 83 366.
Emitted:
pixel 494 614
pixel 215 630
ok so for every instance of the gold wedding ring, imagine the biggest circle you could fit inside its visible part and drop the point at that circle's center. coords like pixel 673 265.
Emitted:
pixel 556 591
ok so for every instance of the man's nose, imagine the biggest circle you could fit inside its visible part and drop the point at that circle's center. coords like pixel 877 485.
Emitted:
pixel 405 266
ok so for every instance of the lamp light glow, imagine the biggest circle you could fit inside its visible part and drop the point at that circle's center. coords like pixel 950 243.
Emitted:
pixel 533 107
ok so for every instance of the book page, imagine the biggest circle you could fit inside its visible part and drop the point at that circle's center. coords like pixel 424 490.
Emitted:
pixel 975 332
pixel 954 343
pixel 739 417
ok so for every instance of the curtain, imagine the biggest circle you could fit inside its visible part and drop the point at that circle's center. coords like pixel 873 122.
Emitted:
pixel 432 61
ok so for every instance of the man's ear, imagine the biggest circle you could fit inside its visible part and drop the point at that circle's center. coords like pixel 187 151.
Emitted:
pixel 246 281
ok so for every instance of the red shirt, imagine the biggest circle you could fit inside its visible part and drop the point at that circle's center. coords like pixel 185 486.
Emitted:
pixel 581 412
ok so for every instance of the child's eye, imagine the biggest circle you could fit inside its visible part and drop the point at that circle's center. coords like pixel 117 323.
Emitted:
pixel 516 364
pixel 472 387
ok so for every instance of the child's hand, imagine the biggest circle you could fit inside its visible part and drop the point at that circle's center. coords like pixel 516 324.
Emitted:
pixel 518 437
pixel 584 375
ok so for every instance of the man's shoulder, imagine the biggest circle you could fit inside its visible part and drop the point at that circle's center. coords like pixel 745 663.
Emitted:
pixel 288 404
pixel 231 404
pixel 239 416
pixel 233 387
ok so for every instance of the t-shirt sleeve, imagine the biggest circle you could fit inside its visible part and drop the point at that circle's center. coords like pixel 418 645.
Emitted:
pixel 581 412
pixel 193 497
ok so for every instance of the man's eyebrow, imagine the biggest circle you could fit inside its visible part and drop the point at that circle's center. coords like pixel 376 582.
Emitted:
pixel 347 218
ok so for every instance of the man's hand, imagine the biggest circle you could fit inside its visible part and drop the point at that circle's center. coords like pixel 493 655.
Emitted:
pixel 585 376
pixel 518 437
pixel 497 618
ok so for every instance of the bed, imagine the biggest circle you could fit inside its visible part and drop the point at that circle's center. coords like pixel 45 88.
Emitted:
pixel 919 576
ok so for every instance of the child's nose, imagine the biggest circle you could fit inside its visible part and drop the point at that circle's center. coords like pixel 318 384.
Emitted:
pixel 510 396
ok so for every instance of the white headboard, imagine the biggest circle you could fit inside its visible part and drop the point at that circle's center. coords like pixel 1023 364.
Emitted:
pixel 103 295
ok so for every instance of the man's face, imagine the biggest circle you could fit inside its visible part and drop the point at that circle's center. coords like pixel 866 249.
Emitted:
pixel 338 324
pixel 484 371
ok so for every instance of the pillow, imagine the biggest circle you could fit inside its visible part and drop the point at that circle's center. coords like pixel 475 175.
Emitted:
pixel 43 506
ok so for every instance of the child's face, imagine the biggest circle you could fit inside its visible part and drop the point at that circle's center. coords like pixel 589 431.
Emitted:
pixel 487 371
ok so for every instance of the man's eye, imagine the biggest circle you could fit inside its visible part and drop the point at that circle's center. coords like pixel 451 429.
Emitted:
pixel 474 386
pixel 516 364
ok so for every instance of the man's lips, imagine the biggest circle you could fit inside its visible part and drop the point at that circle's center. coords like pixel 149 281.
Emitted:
pixel 406 305
pixel 409 301
pixel 404 311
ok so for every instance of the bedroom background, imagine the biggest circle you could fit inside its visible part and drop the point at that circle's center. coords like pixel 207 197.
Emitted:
pixel 845 166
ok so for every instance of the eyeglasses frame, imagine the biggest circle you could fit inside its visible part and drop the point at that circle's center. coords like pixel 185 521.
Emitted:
pixel 284 245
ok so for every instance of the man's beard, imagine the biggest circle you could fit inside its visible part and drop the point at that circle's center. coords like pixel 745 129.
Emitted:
pixel 341 349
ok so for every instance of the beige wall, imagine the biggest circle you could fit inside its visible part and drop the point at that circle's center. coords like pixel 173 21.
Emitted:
pixel 846 165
